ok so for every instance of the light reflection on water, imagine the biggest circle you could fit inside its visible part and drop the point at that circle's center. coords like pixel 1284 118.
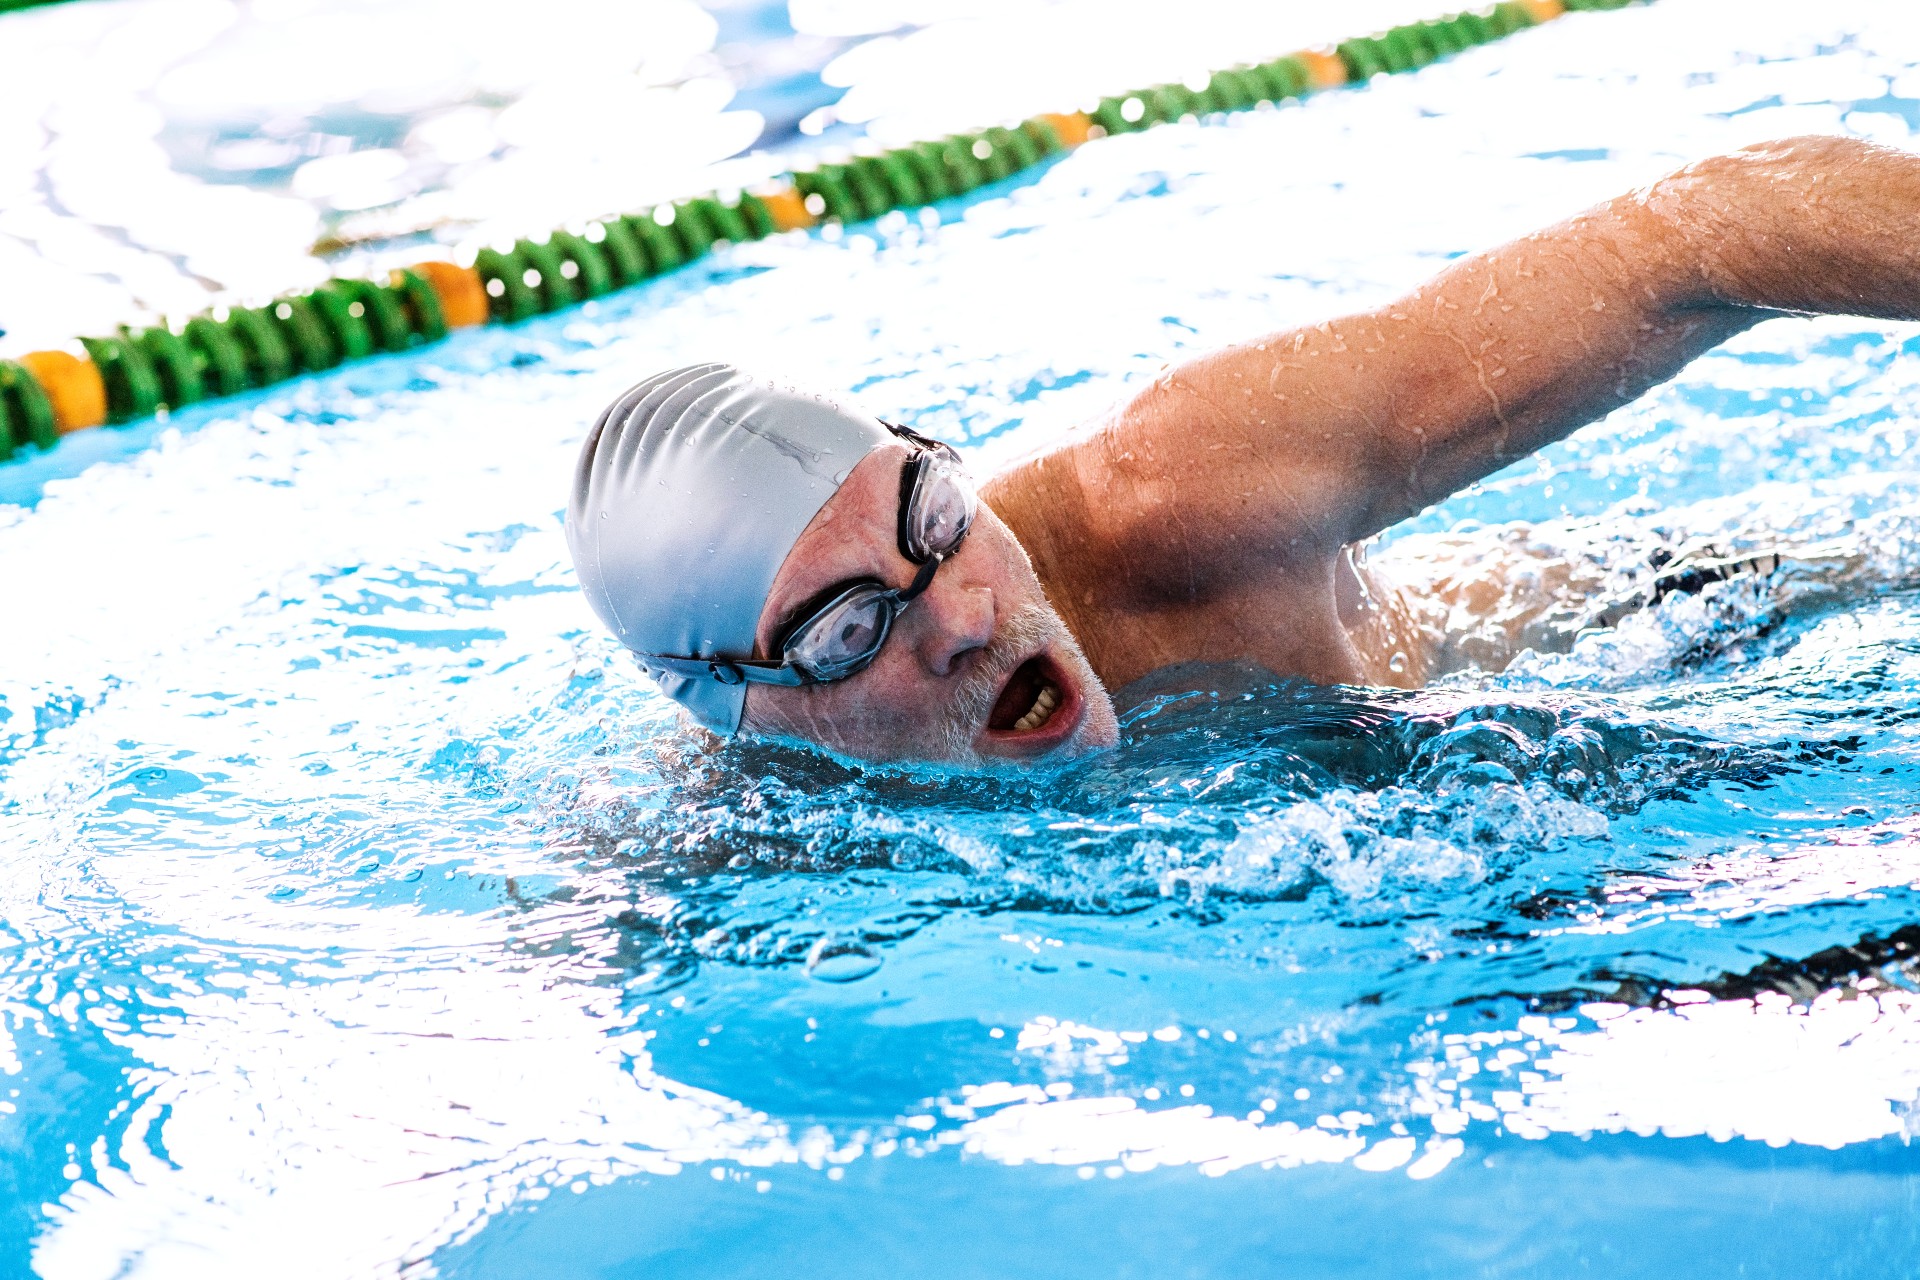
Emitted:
pixel 160 156
pixel 366 911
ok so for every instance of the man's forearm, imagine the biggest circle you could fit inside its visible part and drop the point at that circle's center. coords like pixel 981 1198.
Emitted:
pixel 1561 327
pixel 1270 455
pixel 1815 224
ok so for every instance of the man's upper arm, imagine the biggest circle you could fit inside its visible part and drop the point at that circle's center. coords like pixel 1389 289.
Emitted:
pixel 1321 436
pixel 1272 454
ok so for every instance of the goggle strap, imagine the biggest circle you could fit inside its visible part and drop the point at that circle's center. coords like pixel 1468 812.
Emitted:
pixel 726 670
pixel 925 442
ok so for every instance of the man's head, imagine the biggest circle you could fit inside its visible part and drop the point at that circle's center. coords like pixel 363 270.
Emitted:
pixel 753 544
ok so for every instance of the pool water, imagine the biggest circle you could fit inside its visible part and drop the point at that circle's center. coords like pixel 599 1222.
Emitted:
pixel 366 912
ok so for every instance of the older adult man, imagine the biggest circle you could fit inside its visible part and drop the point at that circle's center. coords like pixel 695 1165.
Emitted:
pixel 788 566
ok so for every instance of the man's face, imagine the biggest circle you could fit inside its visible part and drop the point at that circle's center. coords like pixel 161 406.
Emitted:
pixel 978 670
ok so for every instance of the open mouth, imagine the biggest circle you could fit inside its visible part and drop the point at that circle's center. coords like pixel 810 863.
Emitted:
pixel 1035 700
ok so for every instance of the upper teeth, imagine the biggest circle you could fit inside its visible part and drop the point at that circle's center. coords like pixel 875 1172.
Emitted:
pixel 1041 711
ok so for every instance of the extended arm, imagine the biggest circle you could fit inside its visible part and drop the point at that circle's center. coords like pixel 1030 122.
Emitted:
pixel 1284 449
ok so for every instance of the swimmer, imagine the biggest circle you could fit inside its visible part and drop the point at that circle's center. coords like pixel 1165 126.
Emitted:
pixel 790 567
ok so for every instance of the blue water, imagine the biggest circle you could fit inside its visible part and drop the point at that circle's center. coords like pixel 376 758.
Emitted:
pixel 367 913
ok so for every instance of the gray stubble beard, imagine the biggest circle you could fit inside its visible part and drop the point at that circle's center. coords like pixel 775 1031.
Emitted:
pixel 1034 628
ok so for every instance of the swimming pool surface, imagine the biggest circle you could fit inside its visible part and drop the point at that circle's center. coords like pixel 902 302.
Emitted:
pixel 365 913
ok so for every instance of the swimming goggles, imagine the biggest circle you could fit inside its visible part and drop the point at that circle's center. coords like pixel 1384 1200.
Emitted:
pixel 839 632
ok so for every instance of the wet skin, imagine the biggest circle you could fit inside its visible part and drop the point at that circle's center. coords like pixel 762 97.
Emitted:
pixel 1215 515
pixel 978 641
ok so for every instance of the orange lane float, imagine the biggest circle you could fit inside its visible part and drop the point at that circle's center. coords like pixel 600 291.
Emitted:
pixel 1325 70
pixel 1072 128
pixel 787 207
pixel 462 294
pixel 74 388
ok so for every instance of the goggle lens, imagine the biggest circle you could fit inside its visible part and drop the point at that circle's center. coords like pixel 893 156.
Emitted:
pixel 940 511
pixel 844 635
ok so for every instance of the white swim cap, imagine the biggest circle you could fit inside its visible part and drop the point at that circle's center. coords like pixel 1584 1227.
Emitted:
pixel 690 491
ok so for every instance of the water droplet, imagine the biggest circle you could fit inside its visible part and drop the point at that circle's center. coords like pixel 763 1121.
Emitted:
pixel 1397 663
pixel 842 960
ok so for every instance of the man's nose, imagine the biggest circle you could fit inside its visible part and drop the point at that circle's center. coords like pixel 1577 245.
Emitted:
pixel 952 624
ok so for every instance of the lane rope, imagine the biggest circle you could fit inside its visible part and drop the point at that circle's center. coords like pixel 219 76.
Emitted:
pixel 129 376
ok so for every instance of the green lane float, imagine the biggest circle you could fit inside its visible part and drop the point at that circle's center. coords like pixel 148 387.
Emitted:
pixel 427 307
pixel 133 389
pixel 174 363
pixel 662 248
pixel 221 359
pixel 345 322
pixel 27 414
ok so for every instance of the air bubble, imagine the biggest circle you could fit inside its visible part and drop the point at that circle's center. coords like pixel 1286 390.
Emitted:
pixel 842 960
